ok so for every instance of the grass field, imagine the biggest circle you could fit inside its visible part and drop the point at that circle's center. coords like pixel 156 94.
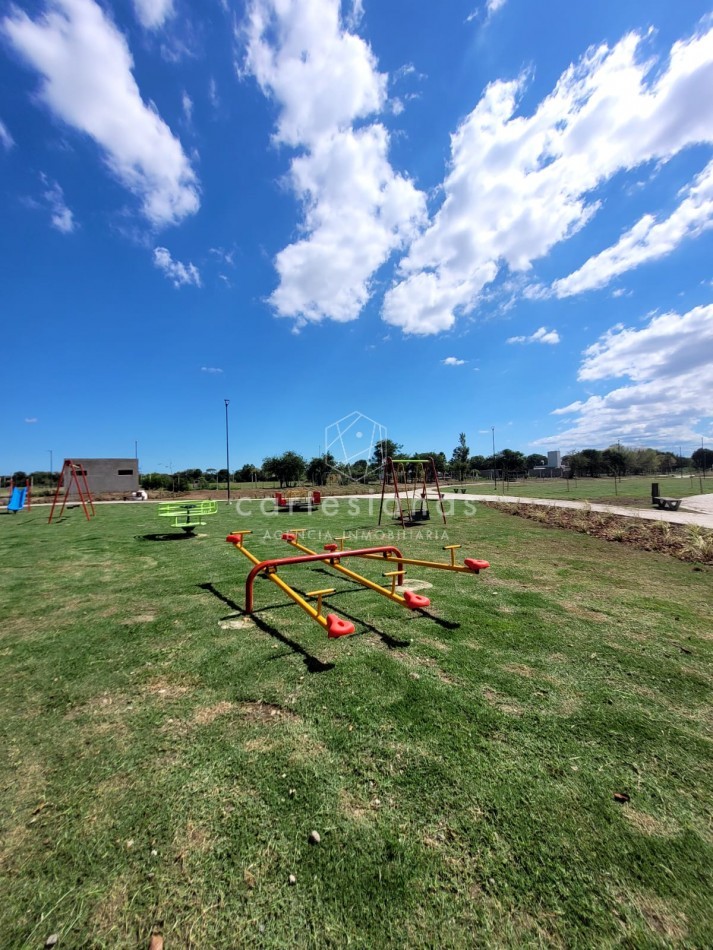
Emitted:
pixel 527 763
pixel 634 491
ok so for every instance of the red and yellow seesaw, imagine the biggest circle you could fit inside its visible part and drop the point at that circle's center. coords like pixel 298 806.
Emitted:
pixel 332 557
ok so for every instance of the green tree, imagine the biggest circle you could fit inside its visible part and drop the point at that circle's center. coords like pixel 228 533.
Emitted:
pixel 385 449
pixel 535 459
pixel 459 458
pixel 319 467
pixel 286 468
pixel 703 459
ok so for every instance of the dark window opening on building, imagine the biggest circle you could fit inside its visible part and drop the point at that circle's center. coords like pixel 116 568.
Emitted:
pixel 125 471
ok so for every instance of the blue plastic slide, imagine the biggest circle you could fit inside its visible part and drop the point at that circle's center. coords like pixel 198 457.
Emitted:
pixel 17 500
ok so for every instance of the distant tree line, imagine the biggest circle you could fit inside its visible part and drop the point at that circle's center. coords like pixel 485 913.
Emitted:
pixel 291 468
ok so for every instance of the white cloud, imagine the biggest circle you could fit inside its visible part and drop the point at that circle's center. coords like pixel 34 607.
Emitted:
pixel 494 5
pixel 666 369
pixel 213 370
pixel 453 361
pixel 153 13
pixel 543 335
pixel 187 106
pixel 357 210
pixel 31 422
pixel 517 185
pixel 88 83
pixel 648 240
pixel 179 274
pixel 6 140
pixel 61 216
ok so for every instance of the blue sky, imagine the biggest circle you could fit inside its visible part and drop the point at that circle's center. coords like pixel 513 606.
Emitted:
pixel 447 216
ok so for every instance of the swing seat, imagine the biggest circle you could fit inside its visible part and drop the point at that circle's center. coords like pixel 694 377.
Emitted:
pixel 415 601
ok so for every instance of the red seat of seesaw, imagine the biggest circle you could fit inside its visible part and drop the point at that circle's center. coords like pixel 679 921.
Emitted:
pixel 474 564
pixel 336 627
pixel 415 601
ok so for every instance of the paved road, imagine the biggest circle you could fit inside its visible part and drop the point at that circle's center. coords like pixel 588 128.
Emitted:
pixel 698 509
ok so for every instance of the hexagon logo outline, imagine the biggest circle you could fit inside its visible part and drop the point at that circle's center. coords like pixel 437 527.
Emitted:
pixel 351 439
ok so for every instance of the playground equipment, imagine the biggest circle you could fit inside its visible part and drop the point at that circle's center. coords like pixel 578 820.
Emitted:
pixel 19 497
pixel 73 476
pixel 297 499
pixel 332 557
pixel 410 507
pixel 187 514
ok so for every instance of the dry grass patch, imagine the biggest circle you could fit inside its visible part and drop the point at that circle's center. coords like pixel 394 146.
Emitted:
pixel 502 703
pixel 265 713
pixel 529 672
pixel 110 912
pixel 648 825
pixel 354 807
pixel 205 715
pixel 164 689
pixel 659 915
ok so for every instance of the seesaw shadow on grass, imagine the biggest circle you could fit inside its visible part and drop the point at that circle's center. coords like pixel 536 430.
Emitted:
pixel 389 640
pixel 313 664
pixel 183 536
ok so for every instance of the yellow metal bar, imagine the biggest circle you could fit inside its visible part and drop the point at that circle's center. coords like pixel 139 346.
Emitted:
pixel 356 577
pixel 410 560
pixel 308 608
pixel 319 594
pixel 393 575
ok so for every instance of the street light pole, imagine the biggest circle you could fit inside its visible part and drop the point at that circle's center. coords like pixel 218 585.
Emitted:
pixel 495 471
pixel 227 446
pixel 51 466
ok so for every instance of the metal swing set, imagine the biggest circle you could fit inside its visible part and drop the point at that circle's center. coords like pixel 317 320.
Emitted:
pixel 410 506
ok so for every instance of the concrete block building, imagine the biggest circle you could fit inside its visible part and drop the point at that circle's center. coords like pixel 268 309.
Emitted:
pixel 111 475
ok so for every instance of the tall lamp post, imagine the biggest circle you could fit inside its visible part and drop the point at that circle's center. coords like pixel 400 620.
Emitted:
pixel 227 446
pixel 495 471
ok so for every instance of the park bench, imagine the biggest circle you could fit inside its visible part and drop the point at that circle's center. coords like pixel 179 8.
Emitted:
pixel 187 514
pixel 671 504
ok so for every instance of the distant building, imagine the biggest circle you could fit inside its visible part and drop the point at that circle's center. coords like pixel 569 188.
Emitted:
pixel 115 476
pixel 554 460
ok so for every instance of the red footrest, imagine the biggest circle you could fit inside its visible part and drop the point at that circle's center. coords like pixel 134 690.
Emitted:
pixel 415 601
pixel 473 564
pixel 336 627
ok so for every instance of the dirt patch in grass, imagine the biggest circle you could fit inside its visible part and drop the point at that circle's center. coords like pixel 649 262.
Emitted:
pixel 193 839
pixel 265 713
pixel 502 703
pixel 354 807
pixel 205 715
pixel 411 583
pixel 165 689
pixel 138 618
pixel 236 623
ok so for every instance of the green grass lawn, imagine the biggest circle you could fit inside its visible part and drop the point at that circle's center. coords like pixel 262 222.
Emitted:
pixel 633 491
pixel 164 758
